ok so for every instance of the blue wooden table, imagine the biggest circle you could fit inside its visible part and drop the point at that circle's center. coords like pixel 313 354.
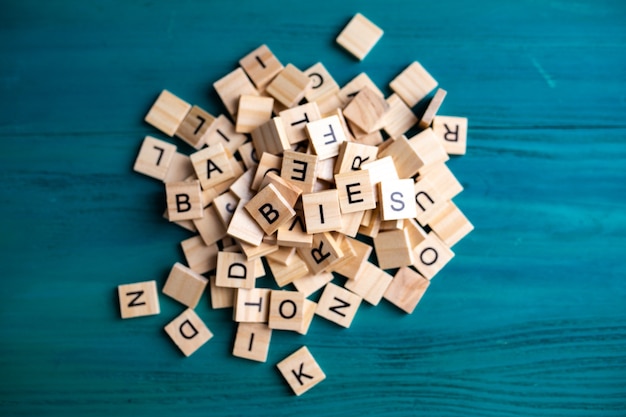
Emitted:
pixel 528 319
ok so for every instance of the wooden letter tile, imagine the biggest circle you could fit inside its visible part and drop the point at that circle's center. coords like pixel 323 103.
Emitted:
pixel 184 200
pixel 431 255
pixel 405 157
pixel 286 274
pixel 222 130
pixel 428 201
pixel 299 169
pixel 252 341
pixel 450 224
pixel 323 254
pixel 271 137
pixel 338 305
pixel 310 283
pixel 352 155
pixel 406 289
pixel 429 148
pixel 296 118
pixel 261 65
pixel 359 36
pixel 309 313
pixel 234 271
pixel 269 209
pixel 322 85
pixel 351 266
pixel 231 87
pixel 154 158
pixel 301 371
pixel 399 118
pixel 243 227
pixel 371 283
pixel 225 206
pixel 221 297
pixel 138 299
pixel 253 111
pixel 355 191
pixel 397 199
pixel 322 212
pixel 293 234
pixel 289 86
pixel 200 257
pixel 268 163
pixel 194 127
pixel 188 332
pixel 355 85
pixel 252 305
pixel 288 191
pixel 326 136
pixel 432 108
pixel 413 84
pixel 180 168
pixel 185 285
pixel 443 180
pixel 366 110
pixel 286 310
pixel 393 249
pixel 167 113
pixel 453 133
pixel 210 227
pixel 212 166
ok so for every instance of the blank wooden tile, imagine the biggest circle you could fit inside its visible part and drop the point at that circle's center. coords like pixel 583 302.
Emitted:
pixel 329 103
pixel 351 223
pixel 286 274
pixel 355 191
pixel 352 265
pixel 399 118
pixel 352 155
pixel 138 299
pixel 167 113
pixel 433 108
pixel 381 170
pixel 154 158
pixel 326 136
pixel 284 255
pixel 360 136
pixel 397 199
pixel 267 163
pixel 338 305
pixel 222 130
pixel 234 271
pixel 322 84
pixel 309 313
pixel 243 227
pixel 428 201
pixel 366 110
pixel 252 112
pixel 221 297
pixel 321 211
pixel 252 341
pixel 185 285
pixel 224 206
pixel 200 257
pixel 453 133
pixel 286 310
pixel 194 126
pixel 324 252
pixel 299 169
pixel 271 137
pixel 429 149
pixel 297 118
pixel 289 86
pixel 270 209
pixel 310 283
pixel 371 283
pixel 352 88
pixel 301 371
pixel 232 86
pixel 359 36
pixel 261 65
pixel 413 84
pixel 188 332
pixel 405 157
pixel 326 170
pixel 212 166
pixel 450 224
pixel 406 289
pixel 184 200
pixel 443 179
pixel 241 187
pixel 431 255
pixel 293 234
pixel 373 227
pixel 252 305
pixel 288 191
pixel 256 252
pixel 180 168
pixel 393 249
pixel 210 227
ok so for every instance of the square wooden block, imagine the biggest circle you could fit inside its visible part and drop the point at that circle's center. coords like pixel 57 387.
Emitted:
pixel 286 310
pixel 350 90
pixel 321 211
pixel 431 255
pixel 406 289
pixel 405 157
pixel 355 191
pixel 253 111
pixel 443 179
pixel 326 136
pixel 154 158
pixel 188 332
pixel 393 249
pixel 185 285
pixel 309 313
pixel 232 86
pixel 366 110
pixel 452 132
pixel 324 252
pixel 210 226
pixel 310 283
pixel 338 305
pixel 167 113
pixel 297 118
pixel 261 65
pixel 222 130
pixel 234 271
pixel 429 148
pixel 212 166
pixel 359 36
pixel 225 206
pixel 289 86
pixel 352 265
pixel 450 224
pixel 284 255
pixel 413 84
pixel 399 118
pixel 200 257
pixel 371 283
pixel 271 137
pixel 221 297
pixel 288 191
pixel 269 209
pixel 194 127
pixel 352 155
pixel 243 227
pixel 382 169
pixel 322 84
pixel 252 341
pixel 397 199
pixel 286 274
pixel 299 169
pixel 293 234
pixel 433 108
pixel 138 299
pixel 301 371
pixel 252 305
pixel 180 168
pixel 428 201
pixel 184 200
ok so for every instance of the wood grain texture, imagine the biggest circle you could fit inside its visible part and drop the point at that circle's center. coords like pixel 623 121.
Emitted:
pixel 529 318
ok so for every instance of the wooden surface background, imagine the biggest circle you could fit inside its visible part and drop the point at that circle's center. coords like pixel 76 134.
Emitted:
pixel 528 319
